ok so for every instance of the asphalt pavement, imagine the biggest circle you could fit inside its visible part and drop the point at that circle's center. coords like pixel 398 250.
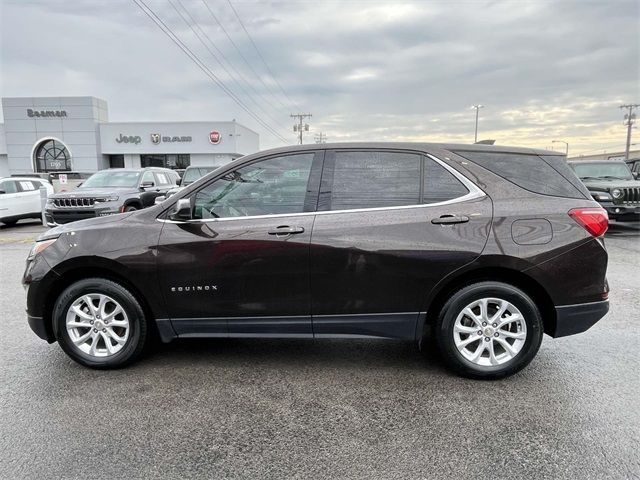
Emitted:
pixel 321 409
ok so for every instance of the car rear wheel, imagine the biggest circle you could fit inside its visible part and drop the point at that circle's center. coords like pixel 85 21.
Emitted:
pixel 489 330
pixel 99 324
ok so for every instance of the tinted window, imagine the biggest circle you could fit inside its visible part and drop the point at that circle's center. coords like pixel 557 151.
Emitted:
pixel 375 179
pixel 192 174
pixel 274 186
pixel 530 172
pixel 440 185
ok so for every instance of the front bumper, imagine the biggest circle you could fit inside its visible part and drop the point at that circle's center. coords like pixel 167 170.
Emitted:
pixel 622 211
pixel 61 216
pixel 572 319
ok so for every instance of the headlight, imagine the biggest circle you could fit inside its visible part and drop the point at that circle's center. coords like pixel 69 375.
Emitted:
pixel 617 193
pixel 49 203
pixel 40 247
pixel 112 198
pixel 601 196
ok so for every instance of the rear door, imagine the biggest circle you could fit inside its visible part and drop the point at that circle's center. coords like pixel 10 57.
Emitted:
pixel 390 225
pixel 29 196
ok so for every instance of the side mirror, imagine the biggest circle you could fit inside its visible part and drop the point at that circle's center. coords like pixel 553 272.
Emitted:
pixel 147 185
pixel 159 199
pixel 178 181
pixel 182 211
pixel 636 175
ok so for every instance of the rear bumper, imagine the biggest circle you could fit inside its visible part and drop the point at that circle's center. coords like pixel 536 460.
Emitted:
pixel 572 319
pixel 37 324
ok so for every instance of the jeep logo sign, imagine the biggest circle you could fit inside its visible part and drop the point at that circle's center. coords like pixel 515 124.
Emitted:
pixel 214 137
pixel 135 139
pixel 46 113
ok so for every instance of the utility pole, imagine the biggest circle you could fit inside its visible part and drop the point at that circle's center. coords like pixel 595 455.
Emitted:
pixel 566 145
pixel 477 107
pixel 629 120
pixel 320 138
pixel 300 126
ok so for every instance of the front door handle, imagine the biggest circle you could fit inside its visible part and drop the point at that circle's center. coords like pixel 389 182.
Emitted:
pixel 286 230
pixel 450 219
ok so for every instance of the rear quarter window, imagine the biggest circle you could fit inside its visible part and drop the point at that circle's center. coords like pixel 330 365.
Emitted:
pixel 546 175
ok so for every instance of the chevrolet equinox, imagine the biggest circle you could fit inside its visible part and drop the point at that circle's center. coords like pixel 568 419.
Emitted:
pixel 477 249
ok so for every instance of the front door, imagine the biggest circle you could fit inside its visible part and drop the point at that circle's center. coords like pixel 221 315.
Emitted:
pixel 240 267
pixel 390 226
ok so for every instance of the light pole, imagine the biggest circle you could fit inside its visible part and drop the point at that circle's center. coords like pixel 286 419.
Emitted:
pixel 477 107
pixel 566 145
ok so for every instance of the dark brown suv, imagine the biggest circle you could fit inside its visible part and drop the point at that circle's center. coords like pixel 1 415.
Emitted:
pixel 480 248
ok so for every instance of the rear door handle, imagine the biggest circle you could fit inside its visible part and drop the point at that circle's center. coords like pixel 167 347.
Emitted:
pixel 286 230
pixel 450 219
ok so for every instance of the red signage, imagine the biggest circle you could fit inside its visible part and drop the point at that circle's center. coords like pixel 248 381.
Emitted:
pixel 214 137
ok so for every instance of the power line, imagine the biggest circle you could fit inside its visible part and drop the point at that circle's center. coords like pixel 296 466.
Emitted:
pixel 207 71
pixel 244 59
pixel 320 137
pixel 300 127
pixel 215 57
pixel 630 119
pixel 261 57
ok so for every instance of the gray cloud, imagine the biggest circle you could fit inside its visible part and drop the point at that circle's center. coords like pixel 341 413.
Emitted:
pixel 367 70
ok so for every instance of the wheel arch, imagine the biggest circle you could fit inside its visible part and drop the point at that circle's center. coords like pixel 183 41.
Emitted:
pixel 106 270
pixel 510 276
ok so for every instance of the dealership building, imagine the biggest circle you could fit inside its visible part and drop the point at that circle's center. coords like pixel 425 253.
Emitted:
pixel 57 134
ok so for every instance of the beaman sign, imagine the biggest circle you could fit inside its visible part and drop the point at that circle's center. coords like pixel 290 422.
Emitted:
pixel 46 113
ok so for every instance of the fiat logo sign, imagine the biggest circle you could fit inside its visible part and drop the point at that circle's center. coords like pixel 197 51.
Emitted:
pixel 214 137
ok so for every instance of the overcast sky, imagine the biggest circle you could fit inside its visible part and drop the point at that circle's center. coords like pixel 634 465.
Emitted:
pixel 366 70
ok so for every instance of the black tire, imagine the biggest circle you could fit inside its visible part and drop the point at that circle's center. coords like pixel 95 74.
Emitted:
pixel 444 330
pixel 138 334
pixel 130 208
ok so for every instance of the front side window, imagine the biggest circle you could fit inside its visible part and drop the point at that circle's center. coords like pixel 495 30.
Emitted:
pixel 148 178
pixel 373 179
pixel 270 187
pixel 9 186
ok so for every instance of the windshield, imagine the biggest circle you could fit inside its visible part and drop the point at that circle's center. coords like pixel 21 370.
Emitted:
pixel 617 170
pixel 193 174
pixel 112 178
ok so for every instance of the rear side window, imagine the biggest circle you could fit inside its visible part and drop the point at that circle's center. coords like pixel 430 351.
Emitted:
pixel 530 172
pixel 439 184
pixel 26 185
pixel 162 178
pixel 375 179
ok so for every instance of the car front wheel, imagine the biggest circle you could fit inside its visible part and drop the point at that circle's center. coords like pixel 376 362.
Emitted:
pixel 489 330
pixel 99 324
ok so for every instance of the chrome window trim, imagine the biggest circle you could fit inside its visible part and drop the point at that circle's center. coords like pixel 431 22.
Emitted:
pixel 474 193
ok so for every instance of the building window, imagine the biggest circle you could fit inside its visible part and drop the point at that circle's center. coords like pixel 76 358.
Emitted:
pixel 116 161
pixel 52 156
pixel 173 161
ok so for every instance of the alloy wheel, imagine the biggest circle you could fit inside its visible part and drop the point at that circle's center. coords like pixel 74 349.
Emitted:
pixel 97 325
pixel 489 332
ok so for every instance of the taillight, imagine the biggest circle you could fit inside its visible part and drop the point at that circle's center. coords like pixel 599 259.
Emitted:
pixel 593 219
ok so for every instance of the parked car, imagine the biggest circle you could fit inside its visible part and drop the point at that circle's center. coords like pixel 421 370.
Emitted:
pixel 61 181
pixel 613 186
pixel 108 192
pixel 191 174
pixel 20 198
pixel 480 248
